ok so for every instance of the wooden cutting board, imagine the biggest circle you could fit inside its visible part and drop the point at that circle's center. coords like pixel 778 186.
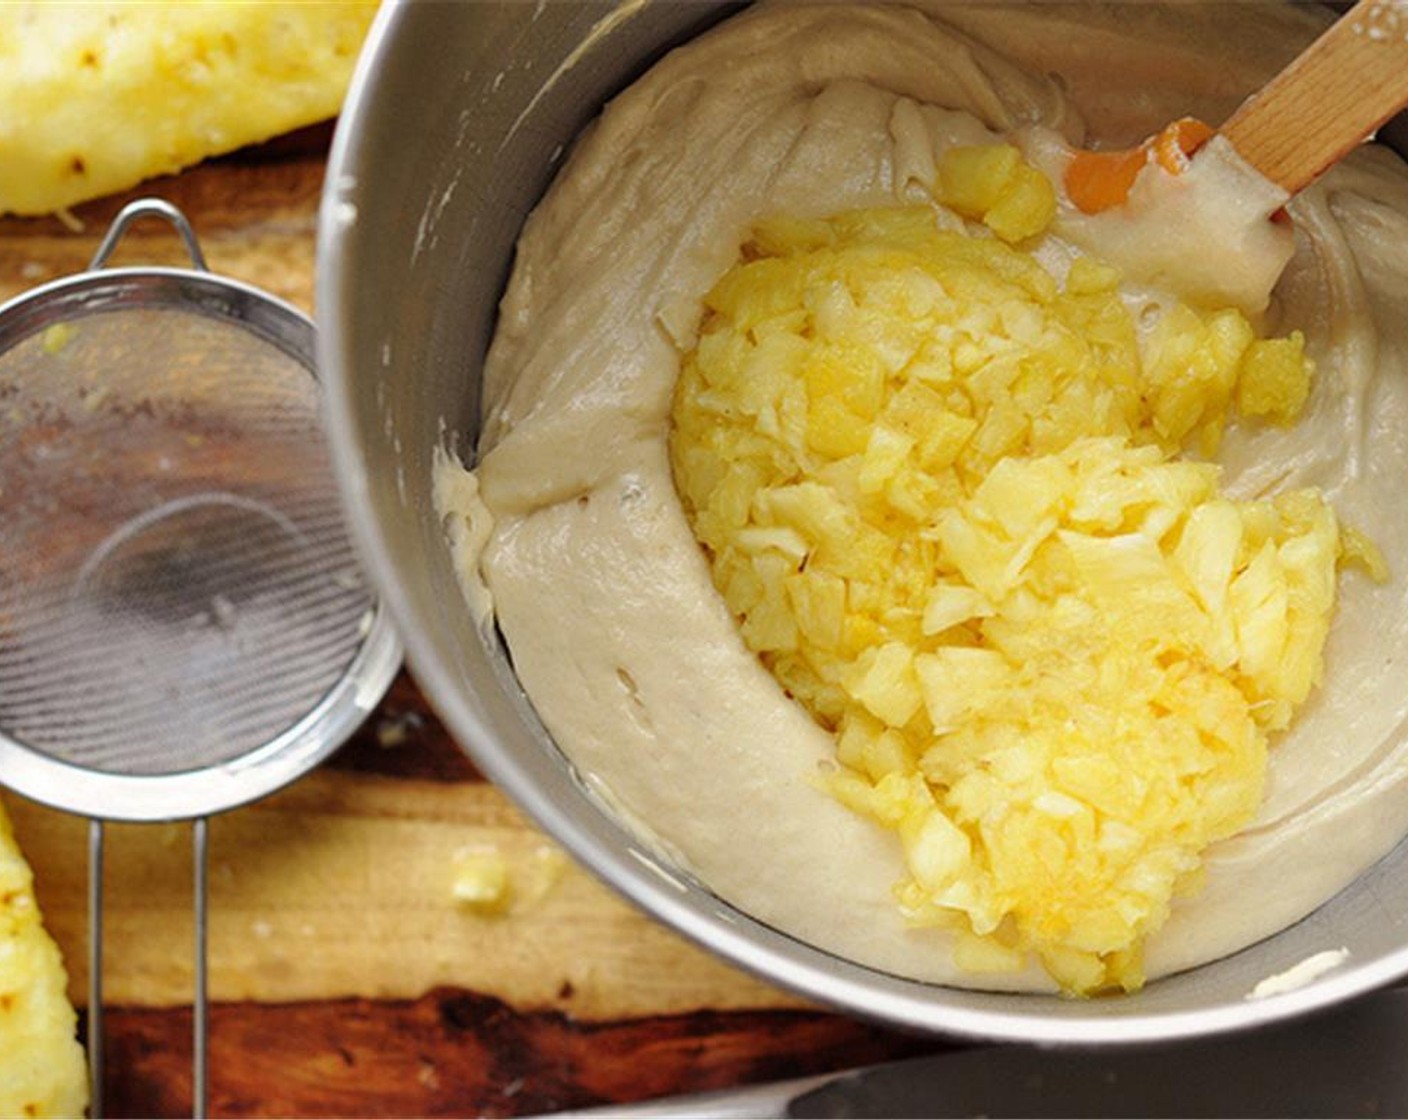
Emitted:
pixel 345 978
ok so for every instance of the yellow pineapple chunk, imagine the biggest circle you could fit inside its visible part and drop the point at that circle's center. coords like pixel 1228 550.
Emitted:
pixel 481 879
pixel 95 97
pixel 972 178
pixel 1275 379
pixel 937 850
pixel 994 185
pixel 1050 649
pixel 1357 549
pixel 834 431
pixel 1208 549
pixel 950 603
pixel 954 679
pixel 885 453
pixel 1192 365
pixel 818 602
pixel 884 682
pixel 1259 600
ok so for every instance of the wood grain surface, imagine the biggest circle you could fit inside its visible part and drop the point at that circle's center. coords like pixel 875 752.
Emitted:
pixel 346 979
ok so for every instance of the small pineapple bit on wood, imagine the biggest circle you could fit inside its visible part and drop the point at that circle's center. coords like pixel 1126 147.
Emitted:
pixel 96 97
pixel 481 879
pixel 941 495
pixel 42 1070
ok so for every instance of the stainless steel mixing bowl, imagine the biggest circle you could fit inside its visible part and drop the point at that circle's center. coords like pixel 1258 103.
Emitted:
pixel 456 122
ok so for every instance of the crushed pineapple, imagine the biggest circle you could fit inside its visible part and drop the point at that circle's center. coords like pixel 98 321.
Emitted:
pixel 42 1069
pixel 941 494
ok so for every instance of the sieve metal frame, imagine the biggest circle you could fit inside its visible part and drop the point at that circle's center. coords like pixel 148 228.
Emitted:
pixel 185 795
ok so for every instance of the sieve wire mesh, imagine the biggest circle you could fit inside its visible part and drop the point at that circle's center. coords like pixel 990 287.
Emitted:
pixel 176 586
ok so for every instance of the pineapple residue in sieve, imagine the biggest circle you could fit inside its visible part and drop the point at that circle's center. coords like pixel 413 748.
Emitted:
pixel 945 498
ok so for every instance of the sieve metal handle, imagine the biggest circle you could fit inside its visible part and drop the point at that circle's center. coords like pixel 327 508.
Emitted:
pixel 95 969
pixel 200 1080
pixel 153 208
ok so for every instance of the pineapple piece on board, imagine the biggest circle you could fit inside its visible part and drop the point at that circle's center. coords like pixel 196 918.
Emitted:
pixel 95 97
pixel 42 1070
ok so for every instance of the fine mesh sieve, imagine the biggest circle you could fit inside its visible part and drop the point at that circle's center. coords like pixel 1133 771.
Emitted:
pixel 183 627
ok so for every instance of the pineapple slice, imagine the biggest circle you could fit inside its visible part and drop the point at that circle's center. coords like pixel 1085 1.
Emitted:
pixel 42 1070
pixel 95 97
pixel 1051 651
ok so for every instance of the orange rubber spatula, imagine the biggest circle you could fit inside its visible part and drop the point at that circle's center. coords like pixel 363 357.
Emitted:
pixel 1325 103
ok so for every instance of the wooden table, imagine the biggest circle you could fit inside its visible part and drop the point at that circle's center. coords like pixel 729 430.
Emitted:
pixel 344 977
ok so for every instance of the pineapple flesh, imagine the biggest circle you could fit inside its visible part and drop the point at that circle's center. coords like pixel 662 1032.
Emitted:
pixel 943 495
pixel 95 97
pixel 42 1069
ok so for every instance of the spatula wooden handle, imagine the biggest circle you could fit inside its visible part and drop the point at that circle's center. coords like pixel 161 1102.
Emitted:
pixel 1351 80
